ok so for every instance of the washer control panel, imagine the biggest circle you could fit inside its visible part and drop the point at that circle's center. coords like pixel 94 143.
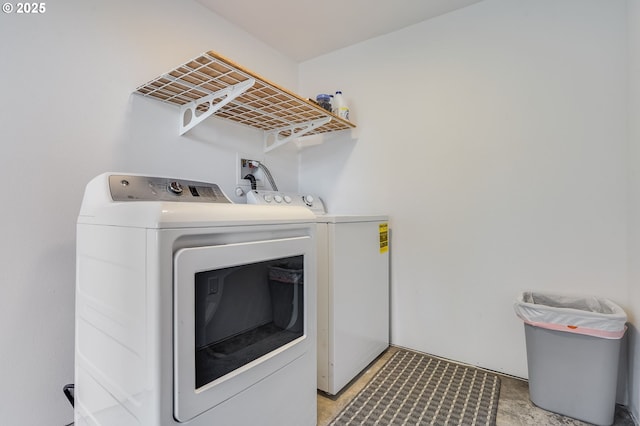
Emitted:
pixel 145 188
pixel 279 198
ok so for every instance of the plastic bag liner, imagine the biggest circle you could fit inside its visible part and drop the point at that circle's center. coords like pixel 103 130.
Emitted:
pixel 574 314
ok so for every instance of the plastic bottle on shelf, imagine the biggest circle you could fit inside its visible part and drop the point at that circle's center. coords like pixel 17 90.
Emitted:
pixel 340 107
pixel 324 101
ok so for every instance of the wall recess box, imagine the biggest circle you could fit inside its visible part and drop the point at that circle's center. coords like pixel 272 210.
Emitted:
pixel 244 168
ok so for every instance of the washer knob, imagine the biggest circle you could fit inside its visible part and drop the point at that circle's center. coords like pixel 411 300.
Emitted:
pixel 287 199
pixel 175 187
pixel 308 200
pixel 268 198
pixel 277 198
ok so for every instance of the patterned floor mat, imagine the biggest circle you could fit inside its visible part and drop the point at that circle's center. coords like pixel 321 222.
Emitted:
pixel 417 389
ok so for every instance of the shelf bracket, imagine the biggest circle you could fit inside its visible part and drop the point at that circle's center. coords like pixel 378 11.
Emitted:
pixel 190 115
pixel 273 139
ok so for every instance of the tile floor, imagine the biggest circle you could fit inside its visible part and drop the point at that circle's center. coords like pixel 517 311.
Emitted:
pixel 514 407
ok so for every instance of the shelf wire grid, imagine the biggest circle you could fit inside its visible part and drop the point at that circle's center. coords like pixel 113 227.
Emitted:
pixel 265 105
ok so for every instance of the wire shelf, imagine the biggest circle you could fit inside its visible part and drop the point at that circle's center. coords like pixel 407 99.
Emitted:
pixel 263 105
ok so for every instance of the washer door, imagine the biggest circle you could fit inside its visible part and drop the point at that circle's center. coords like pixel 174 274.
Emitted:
pixel 240 314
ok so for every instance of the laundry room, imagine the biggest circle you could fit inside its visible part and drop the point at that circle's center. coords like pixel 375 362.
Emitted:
pixel 499 139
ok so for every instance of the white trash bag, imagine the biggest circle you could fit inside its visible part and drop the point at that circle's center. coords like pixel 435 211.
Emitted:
pixel 588 315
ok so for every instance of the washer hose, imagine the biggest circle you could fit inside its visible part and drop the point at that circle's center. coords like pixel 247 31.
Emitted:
pixel 251 178
pixel 267 173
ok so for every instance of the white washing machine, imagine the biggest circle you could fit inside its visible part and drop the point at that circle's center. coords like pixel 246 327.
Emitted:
pixel 353 288
pixel 192 310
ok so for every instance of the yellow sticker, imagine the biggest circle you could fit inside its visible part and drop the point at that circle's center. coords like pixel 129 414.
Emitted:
pixel 384 237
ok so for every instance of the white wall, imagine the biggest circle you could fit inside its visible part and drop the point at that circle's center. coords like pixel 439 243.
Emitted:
pixel 633 15
pixel 67 113
pixel 495 137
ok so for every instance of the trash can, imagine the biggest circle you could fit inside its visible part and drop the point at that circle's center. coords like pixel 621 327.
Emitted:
pixel 287 295
pixel 573 347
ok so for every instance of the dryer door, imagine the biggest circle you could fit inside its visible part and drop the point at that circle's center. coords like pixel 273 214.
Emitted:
pixel 239 315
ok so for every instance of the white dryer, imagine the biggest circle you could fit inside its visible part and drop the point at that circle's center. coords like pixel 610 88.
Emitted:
pixel 191 310
pixel 353 288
